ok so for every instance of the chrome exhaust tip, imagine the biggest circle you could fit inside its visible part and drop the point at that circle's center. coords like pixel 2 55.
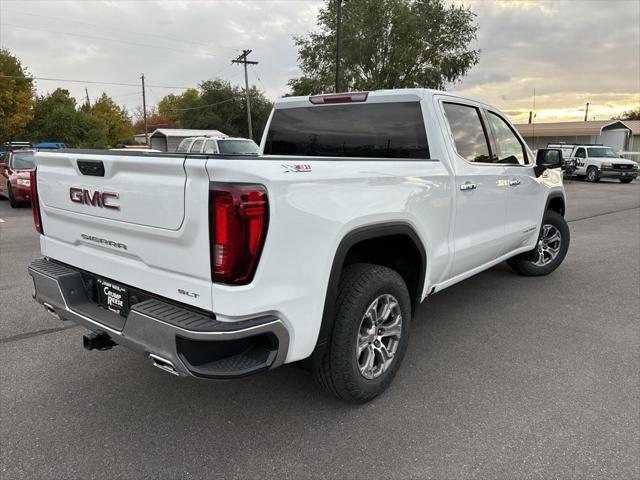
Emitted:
pixel 163 364
pixel 50 309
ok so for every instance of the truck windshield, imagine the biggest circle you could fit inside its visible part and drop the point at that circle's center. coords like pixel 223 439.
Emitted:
pixel 238 147
pixel 376 130
pixel 22 161
pixel 602 152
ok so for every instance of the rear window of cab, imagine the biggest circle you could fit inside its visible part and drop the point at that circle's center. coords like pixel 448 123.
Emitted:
pixel 376 130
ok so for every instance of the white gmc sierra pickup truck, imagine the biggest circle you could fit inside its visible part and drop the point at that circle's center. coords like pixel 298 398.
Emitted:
pixel 359 206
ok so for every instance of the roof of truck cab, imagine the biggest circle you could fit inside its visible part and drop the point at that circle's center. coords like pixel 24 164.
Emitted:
pixel 186 132
pixel 374 96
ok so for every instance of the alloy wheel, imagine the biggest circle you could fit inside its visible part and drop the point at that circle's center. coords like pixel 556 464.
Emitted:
pixel 548 246
pixel 379 336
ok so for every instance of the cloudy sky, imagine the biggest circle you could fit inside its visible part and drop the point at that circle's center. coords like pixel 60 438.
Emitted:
pixel 571 52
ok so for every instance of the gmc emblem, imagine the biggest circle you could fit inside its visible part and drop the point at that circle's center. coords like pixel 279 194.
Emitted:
pixel 95 199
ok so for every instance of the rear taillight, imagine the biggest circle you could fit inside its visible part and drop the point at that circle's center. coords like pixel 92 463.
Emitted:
pixel 238 219
pixel 35 205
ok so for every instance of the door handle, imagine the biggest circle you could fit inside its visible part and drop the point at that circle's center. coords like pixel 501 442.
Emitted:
pixel 468 186
pixel 514 182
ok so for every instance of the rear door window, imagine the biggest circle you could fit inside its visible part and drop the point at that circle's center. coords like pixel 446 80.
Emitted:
pixel 210 147
pixel 469 135
pixel 375 130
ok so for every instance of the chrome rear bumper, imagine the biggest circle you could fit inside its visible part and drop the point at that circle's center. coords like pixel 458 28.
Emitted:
pixel 173 337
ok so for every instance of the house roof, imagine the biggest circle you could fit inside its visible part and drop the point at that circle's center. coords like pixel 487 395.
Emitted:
pixel 185 132
pixel 562 129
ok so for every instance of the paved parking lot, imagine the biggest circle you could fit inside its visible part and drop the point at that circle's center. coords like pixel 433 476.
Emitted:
pixel 505 377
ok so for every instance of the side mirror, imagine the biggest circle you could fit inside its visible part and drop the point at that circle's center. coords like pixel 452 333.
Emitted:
pixel 3 166
pixel 547 158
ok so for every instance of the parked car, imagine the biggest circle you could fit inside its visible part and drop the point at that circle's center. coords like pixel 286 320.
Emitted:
pixel 218 145
pixel 361 206
pixel 597 161
pixel 15 171
pixel 50 145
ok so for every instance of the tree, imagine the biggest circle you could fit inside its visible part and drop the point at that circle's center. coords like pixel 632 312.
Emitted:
pixel 387 44
pixel 55 117
pixel 154 120
pixel 115 120
pixel 16 97
pixel 633 114
pixel 217 105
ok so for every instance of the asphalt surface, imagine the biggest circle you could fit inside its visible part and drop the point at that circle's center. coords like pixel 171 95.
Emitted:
pixel 505 377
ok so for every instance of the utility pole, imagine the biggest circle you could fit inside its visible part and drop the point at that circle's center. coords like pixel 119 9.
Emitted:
pixel 243 59
pixel 88 101
pixel 338 43
pixel 144 112
pixel 586 112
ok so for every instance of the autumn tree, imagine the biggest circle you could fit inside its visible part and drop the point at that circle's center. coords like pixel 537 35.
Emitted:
pixel 154 120
pixel 387 44
pixel 114 119
pixel 16 97
pixel 55 117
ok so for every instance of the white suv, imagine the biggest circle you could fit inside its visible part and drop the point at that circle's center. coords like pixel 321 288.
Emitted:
pixel 221 145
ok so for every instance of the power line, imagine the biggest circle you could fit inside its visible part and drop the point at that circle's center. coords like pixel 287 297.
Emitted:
pixel 31 28
pixel 162 37
pixel 255 72
pixel 90 81
pixel 204 106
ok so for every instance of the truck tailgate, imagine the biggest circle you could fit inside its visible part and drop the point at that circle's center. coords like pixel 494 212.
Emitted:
pixel 143 222
pixel 143 198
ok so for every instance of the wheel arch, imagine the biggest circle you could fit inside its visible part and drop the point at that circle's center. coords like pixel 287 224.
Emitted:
pixel 556 203
pixel 360 240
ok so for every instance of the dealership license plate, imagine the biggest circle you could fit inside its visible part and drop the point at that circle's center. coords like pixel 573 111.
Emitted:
pixel 113 297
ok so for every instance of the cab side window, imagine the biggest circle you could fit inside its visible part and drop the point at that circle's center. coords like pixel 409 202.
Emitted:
pixel 469 135
pixel 197 146
pixel 580 153
pixel 510 149
pixel 210 147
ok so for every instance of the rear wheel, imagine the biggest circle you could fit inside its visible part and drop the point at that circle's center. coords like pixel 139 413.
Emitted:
pixel 592 175
pixel 552 247
pixel 12 199
pixel 626 180
pixel 370 333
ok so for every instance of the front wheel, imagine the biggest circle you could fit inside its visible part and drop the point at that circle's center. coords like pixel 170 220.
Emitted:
pixel 12 200
pixel 370 333
pixel 626 180
pixel 552 247
pixel 593 175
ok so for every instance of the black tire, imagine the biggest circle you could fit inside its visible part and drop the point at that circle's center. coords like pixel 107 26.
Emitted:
pixel 524 264
pixel 593 175
pixel 626 180
pixel 337 372
pixel 12 199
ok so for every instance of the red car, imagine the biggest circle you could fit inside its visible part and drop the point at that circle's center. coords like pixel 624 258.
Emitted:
pixel 15 169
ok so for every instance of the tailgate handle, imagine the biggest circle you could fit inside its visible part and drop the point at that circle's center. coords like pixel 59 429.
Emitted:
pixel 93 168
